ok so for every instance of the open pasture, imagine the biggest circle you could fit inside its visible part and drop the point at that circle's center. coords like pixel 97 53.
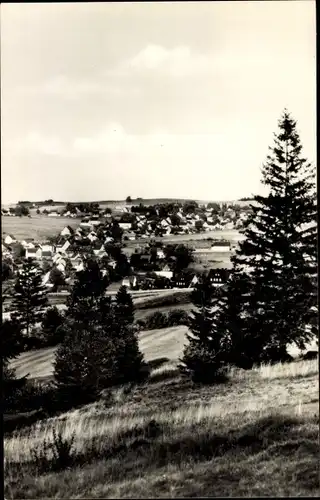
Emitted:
pixel 37 227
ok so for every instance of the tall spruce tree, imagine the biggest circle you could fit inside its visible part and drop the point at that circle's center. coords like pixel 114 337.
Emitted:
pixel 29 296
pixel 279 253
pixel 206 356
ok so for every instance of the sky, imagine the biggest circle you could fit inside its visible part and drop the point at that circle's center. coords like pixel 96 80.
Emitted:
pixel 100 101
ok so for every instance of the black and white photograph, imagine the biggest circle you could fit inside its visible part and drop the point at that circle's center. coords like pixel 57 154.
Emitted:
pixel 159 249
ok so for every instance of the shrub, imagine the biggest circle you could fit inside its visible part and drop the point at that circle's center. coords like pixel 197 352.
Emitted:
pixel 156 320
pixel 178 317
pixel 55 456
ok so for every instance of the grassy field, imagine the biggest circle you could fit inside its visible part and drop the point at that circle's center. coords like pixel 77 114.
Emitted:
pixel 257 434
pixel 37 227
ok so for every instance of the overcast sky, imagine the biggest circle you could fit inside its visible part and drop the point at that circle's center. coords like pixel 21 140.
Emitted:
pixel 101 101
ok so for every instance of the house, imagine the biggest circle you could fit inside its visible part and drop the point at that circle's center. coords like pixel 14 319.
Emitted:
pixel 79 267
pixel 33 253
pixel 61 265
pixel 125 225
pixel 145 260
pixel 126 282
pixel 164 223
pixel 66 231
pixel 47 248
pixel 27 244
pixel 9 239
pixel 160 254
pixel 165 274
pixel 53 214
pixel 65 247
pixel 46 280
pixel 219 276
pixel 92 236
pixel 112 264
pixel 220 246
pixel 181 281
pixel 95 222
pixel 194 281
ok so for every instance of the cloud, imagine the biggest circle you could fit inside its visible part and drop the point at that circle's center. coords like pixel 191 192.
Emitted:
pixel 177 62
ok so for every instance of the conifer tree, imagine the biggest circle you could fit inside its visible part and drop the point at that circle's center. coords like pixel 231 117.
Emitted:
pixel 124 308
pixel 29 296
pixel 99 346
pixel 206 356
pixel 278 254
pixel 88 299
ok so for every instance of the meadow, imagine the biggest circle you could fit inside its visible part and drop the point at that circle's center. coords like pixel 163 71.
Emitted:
pixel 257 434
pixel 37 227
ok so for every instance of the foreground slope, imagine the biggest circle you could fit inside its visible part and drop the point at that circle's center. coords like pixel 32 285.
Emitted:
pixel 258 434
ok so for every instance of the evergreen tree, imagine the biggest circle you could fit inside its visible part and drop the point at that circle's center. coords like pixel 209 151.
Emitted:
pixel 87 299
pixel 278 254
pixel 11 346
pixel 51 322
pixel 29 296
pixel 124 308
pixel 206 356
pixel 99 346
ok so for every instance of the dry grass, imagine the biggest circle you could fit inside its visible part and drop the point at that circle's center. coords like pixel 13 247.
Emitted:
pixel 227 440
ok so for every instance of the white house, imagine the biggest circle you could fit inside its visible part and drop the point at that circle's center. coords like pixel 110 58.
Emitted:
pixel 27 244
pixel 220 246
pixel 9 239
pixel 53 214
pixel 92 236
pixel 126 282
pixel 194 281
pixel 62 265
pixel 160 254
pixel 33 253
pixel 46 279
pixel 66 231
pixel 165 274
pixel 125 225
pixel 108 239
pixel 65 246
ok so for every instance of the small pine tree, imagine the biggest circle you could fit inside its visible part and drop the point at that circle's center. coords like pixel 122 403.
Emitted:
pixel 206 356
pixel 88 294
pixel 11 346
pixel 51 322
pixel 29 296
pixel 124 308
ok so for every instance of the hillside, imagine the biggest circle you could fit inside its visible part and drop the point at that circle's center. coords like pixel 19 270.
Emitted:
pixel 258 434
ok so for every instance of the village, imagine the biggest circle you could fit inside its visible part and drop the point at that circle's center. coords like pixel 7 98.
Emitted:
pixel 128 243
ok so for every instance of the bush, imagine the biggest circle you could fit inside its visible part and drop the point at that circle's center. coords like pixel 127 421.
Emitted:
pixel 96 357
pixel 178 317
pixel 156 320
pixel 55 456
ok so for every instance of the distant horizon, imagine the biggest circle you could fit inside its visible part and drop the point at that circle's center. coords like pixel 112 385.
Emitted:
pixel 163 198
pixel 106 100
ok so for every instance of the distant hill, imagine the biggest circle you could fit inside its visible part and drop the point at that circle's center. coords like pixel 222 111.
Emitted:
pixel 136 201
